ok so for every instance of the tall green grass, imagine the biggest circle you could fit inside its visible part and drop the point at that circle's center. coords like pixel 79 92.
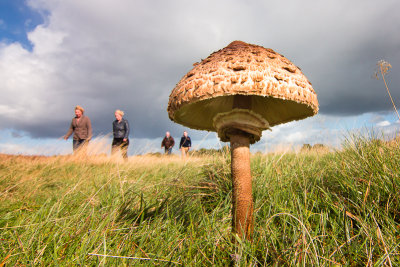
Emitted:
pixel 314 209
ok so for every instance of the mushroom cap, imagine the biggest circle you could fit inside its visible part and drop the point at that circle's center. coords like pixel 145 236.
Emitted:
pixel 279 90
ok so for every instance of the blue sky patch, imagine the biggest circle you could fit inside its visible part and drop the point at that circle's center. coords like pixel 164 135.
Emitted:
pixel 16 20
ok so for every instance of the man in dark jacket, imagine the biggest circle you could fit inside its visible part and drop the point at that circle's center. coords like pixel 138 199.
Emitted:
pixel 168 142
pixel 185 144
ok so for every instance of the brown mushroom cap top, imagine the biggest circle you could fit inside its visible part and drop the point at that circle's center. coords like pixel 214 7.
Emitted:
pixel 279 90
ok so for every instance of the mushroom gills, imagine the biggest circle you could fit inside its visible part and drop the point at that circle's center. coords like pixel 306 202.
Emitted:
pixel 200 114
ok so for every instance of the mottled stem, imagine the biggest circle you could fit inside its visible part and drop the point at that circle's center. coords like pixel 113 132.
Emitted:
pixel 242 213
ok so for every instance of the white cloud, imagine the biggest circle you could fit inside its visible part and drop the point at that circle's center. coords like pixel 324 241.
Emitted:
pixel 295 137
pixel 130 54
pixel 33 148
pixel 383 124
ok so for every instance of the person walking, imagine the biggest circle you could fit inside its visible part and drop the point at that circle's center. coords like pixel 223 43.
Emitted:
pixel 82 129
pixel 185 144
pixel 168 143
pixel 121 134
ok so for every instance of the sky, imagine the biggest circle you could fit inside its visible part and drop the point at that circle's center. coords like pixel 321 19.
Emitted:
pixel 129 55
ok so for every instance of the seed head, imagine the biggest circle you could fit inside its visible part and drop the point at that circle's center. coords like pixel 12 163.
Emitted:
pixel 383 68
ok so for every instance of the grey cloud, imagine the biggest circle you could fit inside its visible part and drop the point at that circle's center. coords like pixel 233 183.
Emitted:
pixel 129 55
pixel 16 134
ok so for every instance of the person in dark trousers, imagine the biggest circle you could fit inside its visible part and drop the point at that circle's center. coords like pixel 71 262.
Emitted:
pixel 82 129
pixel 168 143
pixel 185 144
pixel 121 134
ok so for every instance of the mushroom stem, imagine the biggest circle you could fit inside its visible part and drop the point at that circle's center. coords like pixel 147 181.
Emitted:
pixel 242 198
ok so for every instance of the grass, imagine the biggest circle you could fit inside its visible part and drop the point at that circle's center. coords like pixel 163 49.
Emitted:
pixel 314 209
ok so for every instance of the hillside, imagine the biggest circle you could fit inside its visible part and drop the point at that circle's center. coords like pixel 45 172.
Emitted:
pixel 310 208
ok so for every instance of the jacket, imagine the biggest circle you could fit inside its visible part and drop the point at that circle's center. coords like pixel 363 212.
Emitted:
pixel 81 129
pixel 168 142
pixel 121 129
pixel 185 142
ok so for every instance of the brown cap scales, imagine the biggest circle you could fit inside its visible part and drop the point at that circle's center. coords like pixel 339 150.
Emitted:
pixel 279 90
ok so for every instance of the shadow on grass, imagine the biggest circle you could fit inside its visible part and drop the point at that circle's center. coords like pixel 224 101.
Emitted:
pixel 183 202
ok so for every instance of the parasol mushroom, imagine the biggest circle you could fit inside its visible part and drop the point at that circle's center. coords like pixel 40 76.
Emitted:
pixel 238 92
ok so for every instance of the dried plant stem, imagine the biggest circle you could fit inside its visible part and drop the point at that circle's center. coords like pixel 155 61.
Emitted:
pixel 379 234
pixel 387 89
pixel 132 258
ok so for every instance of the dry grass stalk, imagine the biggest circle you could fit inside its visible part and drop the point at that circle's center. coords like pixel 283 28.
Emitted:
pixel 379 234
pixel 384 68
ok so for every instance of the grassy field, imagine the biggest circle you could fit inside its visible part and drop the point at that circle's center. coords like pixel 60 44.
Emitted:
pixel 314 209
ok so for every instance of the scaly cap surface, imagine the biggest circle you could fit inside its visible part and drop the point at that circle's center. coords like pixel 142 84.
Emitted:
pixel 279 90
